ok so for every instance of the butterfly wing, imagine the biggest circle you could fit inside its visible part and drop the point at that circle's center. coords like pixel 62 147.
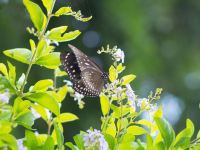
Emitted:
pixel 83 60
pixel 70 65
pixel 93 80
pixel 81 88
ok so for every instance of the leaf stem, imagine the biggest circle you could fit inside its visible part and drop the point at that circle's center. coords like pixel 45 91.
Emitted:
pixel 49 127
pixel 34 53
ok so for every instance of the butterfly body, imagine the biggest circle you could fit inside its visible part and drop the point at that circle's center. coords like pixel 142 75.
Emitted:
pixel 87 77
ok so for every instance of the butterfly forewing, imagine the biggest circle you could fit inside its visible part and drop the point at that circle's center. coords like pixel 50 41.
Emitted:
pixel 83 60
pixel 70 65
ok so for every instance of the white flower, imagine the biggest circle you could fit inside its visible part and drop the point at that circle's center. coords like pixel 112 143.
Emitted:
pixel 94 140
pixel 20 144
pixel 119 55
pixel 4 97
pixel 69 83
pixel 118 92
pixel 131 96
pixel 78 97
pixel 130 93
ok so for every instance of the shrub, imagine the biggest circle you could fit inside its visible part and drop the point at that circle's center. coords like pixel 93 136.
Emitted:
pixel 122 128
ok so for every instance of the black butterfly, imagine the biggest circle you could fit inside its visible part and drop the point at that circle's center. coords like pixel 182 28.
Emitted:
pixel 87 77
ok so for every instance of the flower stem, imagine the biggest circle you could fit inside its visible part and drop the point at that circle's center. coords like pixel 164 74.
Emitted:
pixel 34 53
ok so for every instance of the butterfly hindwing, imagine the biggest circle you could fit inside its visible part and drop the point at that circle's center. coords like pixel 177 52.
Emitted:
pixel 82 89
pixel 93 80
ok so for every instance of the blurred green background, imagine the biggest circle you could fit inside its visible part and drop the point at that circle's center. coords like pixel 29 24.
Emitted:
pixel 161 41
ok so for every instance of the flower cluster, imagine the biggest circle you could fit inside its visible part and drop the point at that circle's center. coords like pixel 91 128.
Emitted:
pixel 78 97
pixel 94 140
pixel 116 53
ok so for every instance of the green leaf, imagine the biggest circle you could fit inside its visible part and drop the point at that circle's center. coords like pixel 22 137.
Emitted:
pixel 145 122
pixel 66 117
pixel 128 137
pixel 12 74
pixel 37 16
pixel 56 32
pixel 122 123
pixel 9 141
pixel 58 35
pixel 42 46
pixel 112 73
pixel 128 146
pixel 7 113
pixel 20 81
pixel 49 144
pixel 183 138
pixel 3 70
pixel 166 131
pixel 111 128
pixel 105 104
pixel 20 106
pixel 51 61
pixel 78 139
pixel 118 112
pixel 120 68
pixel 62 91
pixel 26 119
pixel 5 84
pixel 31 140
pixel 41 110
pixel 110 140
pixel 63 11
pixel 42 85
pixel 20 54
pixel 5 126
pixel 46 101
pixel 48 4
pixel 32 44
pixel 136 130
pixel 59 135
pixel 127 79
pixel 190 126
pixel 160 146
pixel 71 146
pixel 59 73
pixel 149 142
pixel 159 112
pixel 198 134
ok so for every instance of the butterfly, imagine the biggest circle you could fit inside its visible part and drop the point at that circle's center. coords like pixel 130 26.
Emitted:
pixel 87 77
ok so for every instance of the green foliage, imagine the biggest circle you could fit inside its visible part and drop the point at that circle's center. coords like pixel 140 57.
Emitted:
pixel 37 16
pixel 121 126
